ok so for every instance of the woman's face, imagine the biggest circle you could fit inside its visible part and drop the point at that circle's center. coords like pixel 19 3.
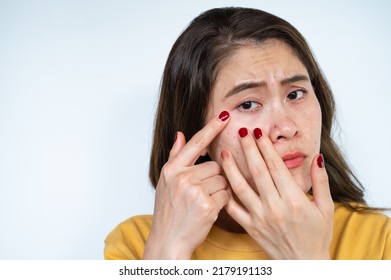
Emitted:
pixel 267 86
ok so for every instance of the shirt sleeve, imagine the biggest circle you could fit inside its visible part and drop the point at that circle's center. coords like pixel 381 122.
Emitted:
pixel 117 251
pixel 127 240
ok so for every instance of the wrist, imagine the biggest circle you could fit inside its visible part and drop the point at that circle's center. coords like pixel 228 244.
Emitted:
pixel 163 250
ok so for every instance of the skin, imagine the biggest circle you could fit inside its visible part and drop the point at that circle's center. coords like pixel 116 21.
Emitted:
pixel 254 185
pixel 292 122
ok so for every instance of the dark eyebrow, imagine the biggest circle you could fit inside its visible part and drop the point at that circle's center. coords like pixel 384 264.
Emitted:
pixel 255 84
pixel 243 86
pixel 295 78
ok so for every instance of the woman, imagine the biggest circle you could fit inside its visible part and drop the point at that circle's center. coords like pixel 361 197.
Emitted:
pixel 242 134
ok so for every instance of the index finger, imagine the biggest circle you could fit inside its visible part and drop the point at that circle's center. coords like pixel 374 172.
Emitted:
pixel 282 177
pixel 193 149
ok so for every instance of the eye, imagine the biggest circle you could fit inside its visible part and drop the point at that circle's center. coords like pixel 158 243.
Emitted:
pixel 295 95
pixel 248 106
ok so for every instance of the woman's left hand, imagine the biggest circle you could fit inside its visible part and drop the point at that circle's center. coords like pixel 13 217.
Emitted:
pixel 280 217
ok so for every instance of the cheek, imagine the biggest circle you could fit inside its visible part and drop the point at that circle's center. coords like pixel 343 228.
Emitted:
pixel 226 140
pixel 310 124
pixel 316 126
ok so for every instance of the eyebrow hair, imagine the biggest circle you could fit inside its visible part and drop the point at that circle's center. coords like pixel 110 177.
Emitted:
pixel 295 78
pixel 255 84
pixel 243 86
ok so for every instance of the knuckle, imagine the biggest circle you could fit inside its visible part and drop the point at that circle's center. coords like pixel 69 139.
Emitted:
pixel 221 181
pixel 198 140
pixel 224 196
pixel 256 170
pixel 240 188
pixel 167 170
pixel 293 203
pixel 276 213
pixel 192 194
pixel 215 167
pixel 207 208
pixel 278 219
pixel 182 180
pixel 273 165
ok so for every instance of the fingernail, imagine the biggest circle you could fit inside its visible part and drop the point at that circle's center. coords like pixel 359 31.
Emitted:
pixel 176 136
pixel 320 161
pixel 258 133
pixel 224 155
pixel 223 116
pixel 243 132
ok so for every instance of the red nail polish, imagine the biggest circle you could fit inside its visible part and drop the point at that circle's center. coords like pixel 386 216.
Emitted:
pixel 243 132
pixel 258 133
pixel 320 161
pixel 223 116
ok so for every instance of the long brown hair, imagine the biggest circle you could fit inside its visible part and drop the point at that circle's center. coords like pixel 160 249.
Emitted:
pixel 191 70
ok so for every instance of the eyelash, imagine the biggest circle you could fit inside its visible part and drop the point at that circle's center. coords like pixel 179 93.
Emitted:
pixel 251 102
pixel 240 107
pixel 303 92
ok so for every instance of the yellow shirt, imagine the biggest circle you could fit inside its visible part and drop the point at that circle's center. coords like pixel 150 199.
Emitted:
pixel 356 236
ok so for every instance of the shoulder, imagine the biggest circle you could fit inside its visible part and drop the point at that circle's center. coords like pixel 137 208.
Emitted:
pixel 344 213
pixel 127 240
pixel 361 234
pixel 140 223
pixel 368 220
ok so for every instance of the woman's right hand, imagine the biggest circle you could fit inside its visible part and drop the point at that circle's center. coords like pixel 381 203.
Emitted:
pixel 188 197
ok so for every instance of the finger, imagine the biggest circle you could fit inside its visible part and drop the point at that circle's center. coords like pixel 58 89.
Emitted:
pixel 179 142
pixel 257 166
pixel 236 211
pixel 279 172
pixel 238 183
pixel 204 171
pixel 221 199
pixel 214 184
pixel 320 186
pixel 201 140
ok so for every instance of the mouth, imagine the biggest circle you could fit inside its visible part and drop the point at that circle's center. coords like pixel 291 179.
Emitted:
pixel 294 160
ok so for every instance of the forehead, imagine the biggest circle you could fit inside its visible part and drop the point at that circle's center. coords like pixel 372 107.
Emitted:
pixel 259 61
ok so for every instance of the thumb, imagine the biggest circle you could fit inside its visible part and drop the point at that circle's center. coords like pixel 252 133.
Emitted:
pixel 320 185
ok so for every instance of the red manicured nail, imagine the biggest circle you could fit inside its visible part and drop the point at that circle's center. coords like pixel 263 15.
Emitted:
pixel 258 133
pixel 320 161
pixel 223 116
pixel 243 132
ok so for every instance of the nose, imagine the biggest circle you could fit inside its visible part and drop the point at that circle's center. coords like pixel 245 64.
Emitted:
pixel 282 124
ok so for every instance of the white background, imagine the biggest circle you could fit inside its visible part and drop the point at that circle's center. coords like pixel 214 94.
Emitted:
pixel 78 88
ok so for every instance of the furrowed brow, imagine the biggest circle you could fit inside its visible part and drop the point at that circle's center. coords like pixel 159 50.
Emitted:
pixel 258 84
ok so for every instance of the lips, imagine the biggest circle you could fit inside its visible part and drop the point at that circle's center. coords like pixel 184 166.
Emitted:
pixel 294 160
